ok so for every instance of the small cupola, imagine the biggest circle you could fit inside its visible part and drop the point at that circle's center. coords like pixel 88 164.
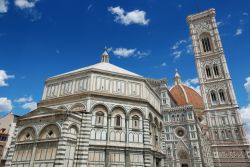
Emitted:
pixel 177 78
pixel 105 56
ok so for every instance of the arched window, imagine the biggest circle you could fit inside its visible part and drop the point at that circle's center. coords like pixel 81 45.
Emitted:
pixel 223 134
pixel 173 118
pixel 47 147
pixel 208 72
pixel 118 120
pixel 195 150
pixel 216 135
pixel 206 43
pixel 229 134
pixel 216 70
pixel 213 97
pixel 222 96
pixel 24 146
pixel 237 134
pixel 135 122
pixel 169 151
pixel 99 118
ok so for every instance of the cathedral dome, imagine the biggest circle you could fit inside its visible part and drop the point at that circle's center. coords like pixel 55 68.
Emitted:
pixel 185 95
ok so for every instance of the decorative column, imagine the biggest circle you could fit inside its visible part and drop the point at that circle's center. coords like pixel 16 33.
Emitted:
pixel 61 149
pixel 147 144
pixel 126 141
pixel 83 144
pixel 107 140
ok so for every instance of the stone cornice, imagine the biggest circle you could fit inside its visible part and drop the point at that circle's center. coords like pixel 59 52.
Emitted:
pixel 208 13
pixel 74 97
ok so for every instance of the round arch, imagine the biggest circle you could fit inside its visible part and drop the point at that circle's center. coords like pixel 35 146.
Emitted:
pixel 27 133
pixel 102 105
pixel 62 108
pixel 78 107
pixel 120 107
pixel 50 131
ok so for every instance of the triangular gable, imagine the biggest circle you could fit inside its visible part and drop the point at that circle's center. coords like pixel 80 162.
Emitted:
pixel 41 111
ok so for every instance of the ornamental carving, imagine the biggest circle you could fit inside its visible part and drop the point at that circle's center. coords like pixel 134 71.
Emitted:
pixel 215 86
pixel 203 26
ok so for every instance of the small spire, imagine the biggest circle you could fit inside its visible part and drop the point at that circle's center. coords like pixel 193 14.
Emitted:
pixel 177 78
pixel 105 56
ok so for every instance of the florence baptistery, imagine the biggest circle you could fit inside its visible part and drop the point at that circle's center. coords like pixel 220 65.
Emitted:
pixel 105 116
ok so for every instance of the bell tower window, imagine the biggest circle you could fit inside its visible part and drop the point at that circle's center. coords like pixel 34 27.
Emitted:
pixel 206 43
pixel 208 72
pixel 216 70
pixel 213 97
pixel 222 96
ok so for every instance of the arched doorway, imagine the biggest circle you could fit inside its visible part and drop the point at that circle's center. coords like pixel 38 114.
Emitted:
pixel 184 159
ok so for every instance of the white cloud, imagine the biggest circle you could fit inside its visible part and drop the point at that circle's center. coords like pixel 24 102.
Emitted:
pixel 178 43
pixel 126 52
pixel 245 14
pixel 189 48
pixel 4 6
pixel 30 105
pixel 26 4
pixel 127 18
pixel 179 6
pixel 89 7
pixel 245 116
pixel 164 64
pixel 181 47
pixel 5 104
pixel 24 99
pixel 194 84
pixel 220 23
pixel 239 31
pixel 58 51
pixel 3 77
pixel 247 86
pixel 177 54
pixel 141 54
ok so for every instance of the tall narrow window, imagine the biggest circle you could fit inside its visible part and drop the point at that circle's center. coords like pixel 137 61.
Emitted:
pixel 169 151
pixel 135 122
pixel 223 134
pixel 118 120
pixel 222 96
pixel 216 70
pixel 206 43
pixel 99 118
pixel 213 97
pixel 208 72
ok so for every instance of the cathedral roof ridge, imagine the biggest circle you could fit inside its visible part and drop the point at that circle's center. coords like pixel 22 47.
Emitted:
pixel 102 66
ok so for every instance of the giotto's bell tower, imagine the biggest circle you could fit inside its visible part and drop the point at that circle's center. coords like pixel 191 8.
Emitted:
pixel 225 128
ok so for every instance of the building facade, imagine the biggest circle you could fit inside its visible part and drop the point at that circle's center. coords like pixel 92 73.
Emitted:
pixel 106 116
pixel 7 128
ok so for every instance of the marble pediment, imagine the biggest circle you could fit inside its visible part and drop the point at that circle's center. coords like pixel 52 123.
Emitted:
pixel 40 112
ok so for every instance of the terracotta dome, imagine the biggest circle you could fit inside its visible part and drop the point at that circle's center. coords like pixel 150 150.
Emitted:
pixel 185 95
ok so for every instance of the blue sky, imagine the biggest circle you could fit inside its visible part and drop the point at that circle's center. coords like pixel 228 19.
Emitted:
pixel 42 38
